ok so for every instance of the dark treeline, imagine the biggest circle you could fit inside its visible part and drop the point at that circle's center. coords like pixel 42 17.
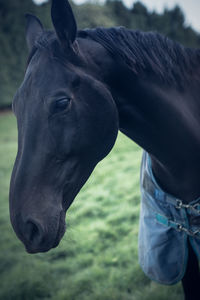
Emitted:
pixel 13 50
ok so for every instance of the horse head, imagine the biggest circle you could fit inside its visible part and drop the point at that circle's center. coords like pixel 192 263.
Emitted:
pixel 67 123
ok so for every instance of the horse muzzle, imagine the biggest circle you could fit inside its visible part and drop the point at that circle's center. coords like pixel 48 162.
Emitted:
pixel 39 234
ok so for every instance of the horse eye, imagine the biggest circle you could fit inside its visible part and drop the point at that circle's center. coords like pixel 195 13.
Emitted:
pixel 62 104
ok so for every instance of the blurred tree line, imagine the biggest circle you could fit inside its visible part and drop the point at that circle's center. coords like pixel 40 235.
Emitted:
pixel 13 50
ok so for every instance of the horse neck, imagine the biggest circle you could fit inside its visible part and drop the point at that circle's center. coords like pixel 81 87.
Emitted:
pixel 149 111
pixel 162 119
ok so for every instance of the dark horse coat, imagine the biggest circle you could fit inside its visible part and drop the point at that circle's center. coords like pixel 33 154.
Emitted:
pixel 79 89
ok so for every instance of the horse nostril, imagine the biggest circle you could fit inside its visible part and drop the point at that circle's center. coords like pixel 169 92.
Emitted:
pixel 33 232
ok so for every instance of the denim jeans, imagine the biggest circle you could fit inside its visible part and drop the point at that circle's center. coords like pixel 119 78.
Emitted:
pixel 166 225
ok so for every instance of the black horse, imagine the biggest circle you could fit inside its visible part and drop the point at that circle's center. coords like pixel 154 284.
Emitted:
pixel 80 87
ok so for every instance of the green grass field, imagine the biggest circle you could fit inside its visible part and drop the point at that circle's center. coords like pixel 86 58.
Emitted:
pixel 97 258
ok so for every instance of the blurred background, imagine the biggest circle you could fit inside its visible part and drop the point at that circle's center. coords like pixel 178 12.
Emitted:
pixel 98 257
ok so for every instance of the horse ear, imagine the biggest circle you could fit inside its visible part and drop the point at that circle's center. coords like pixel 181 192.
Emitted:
pixel 64 22
pixel 34 28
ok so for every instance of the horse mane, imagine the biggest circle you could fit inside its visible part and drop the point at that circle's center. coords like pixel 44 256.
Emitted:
pixel 142 53
pixel 147 53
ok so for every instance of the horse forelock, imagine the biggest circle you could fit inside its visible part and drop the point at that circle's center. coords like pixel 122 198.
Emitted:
pixel 46 41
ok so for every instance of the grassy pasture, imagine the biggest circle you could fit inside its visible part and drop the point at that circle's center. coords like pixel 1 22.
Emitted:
pixel 97 258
